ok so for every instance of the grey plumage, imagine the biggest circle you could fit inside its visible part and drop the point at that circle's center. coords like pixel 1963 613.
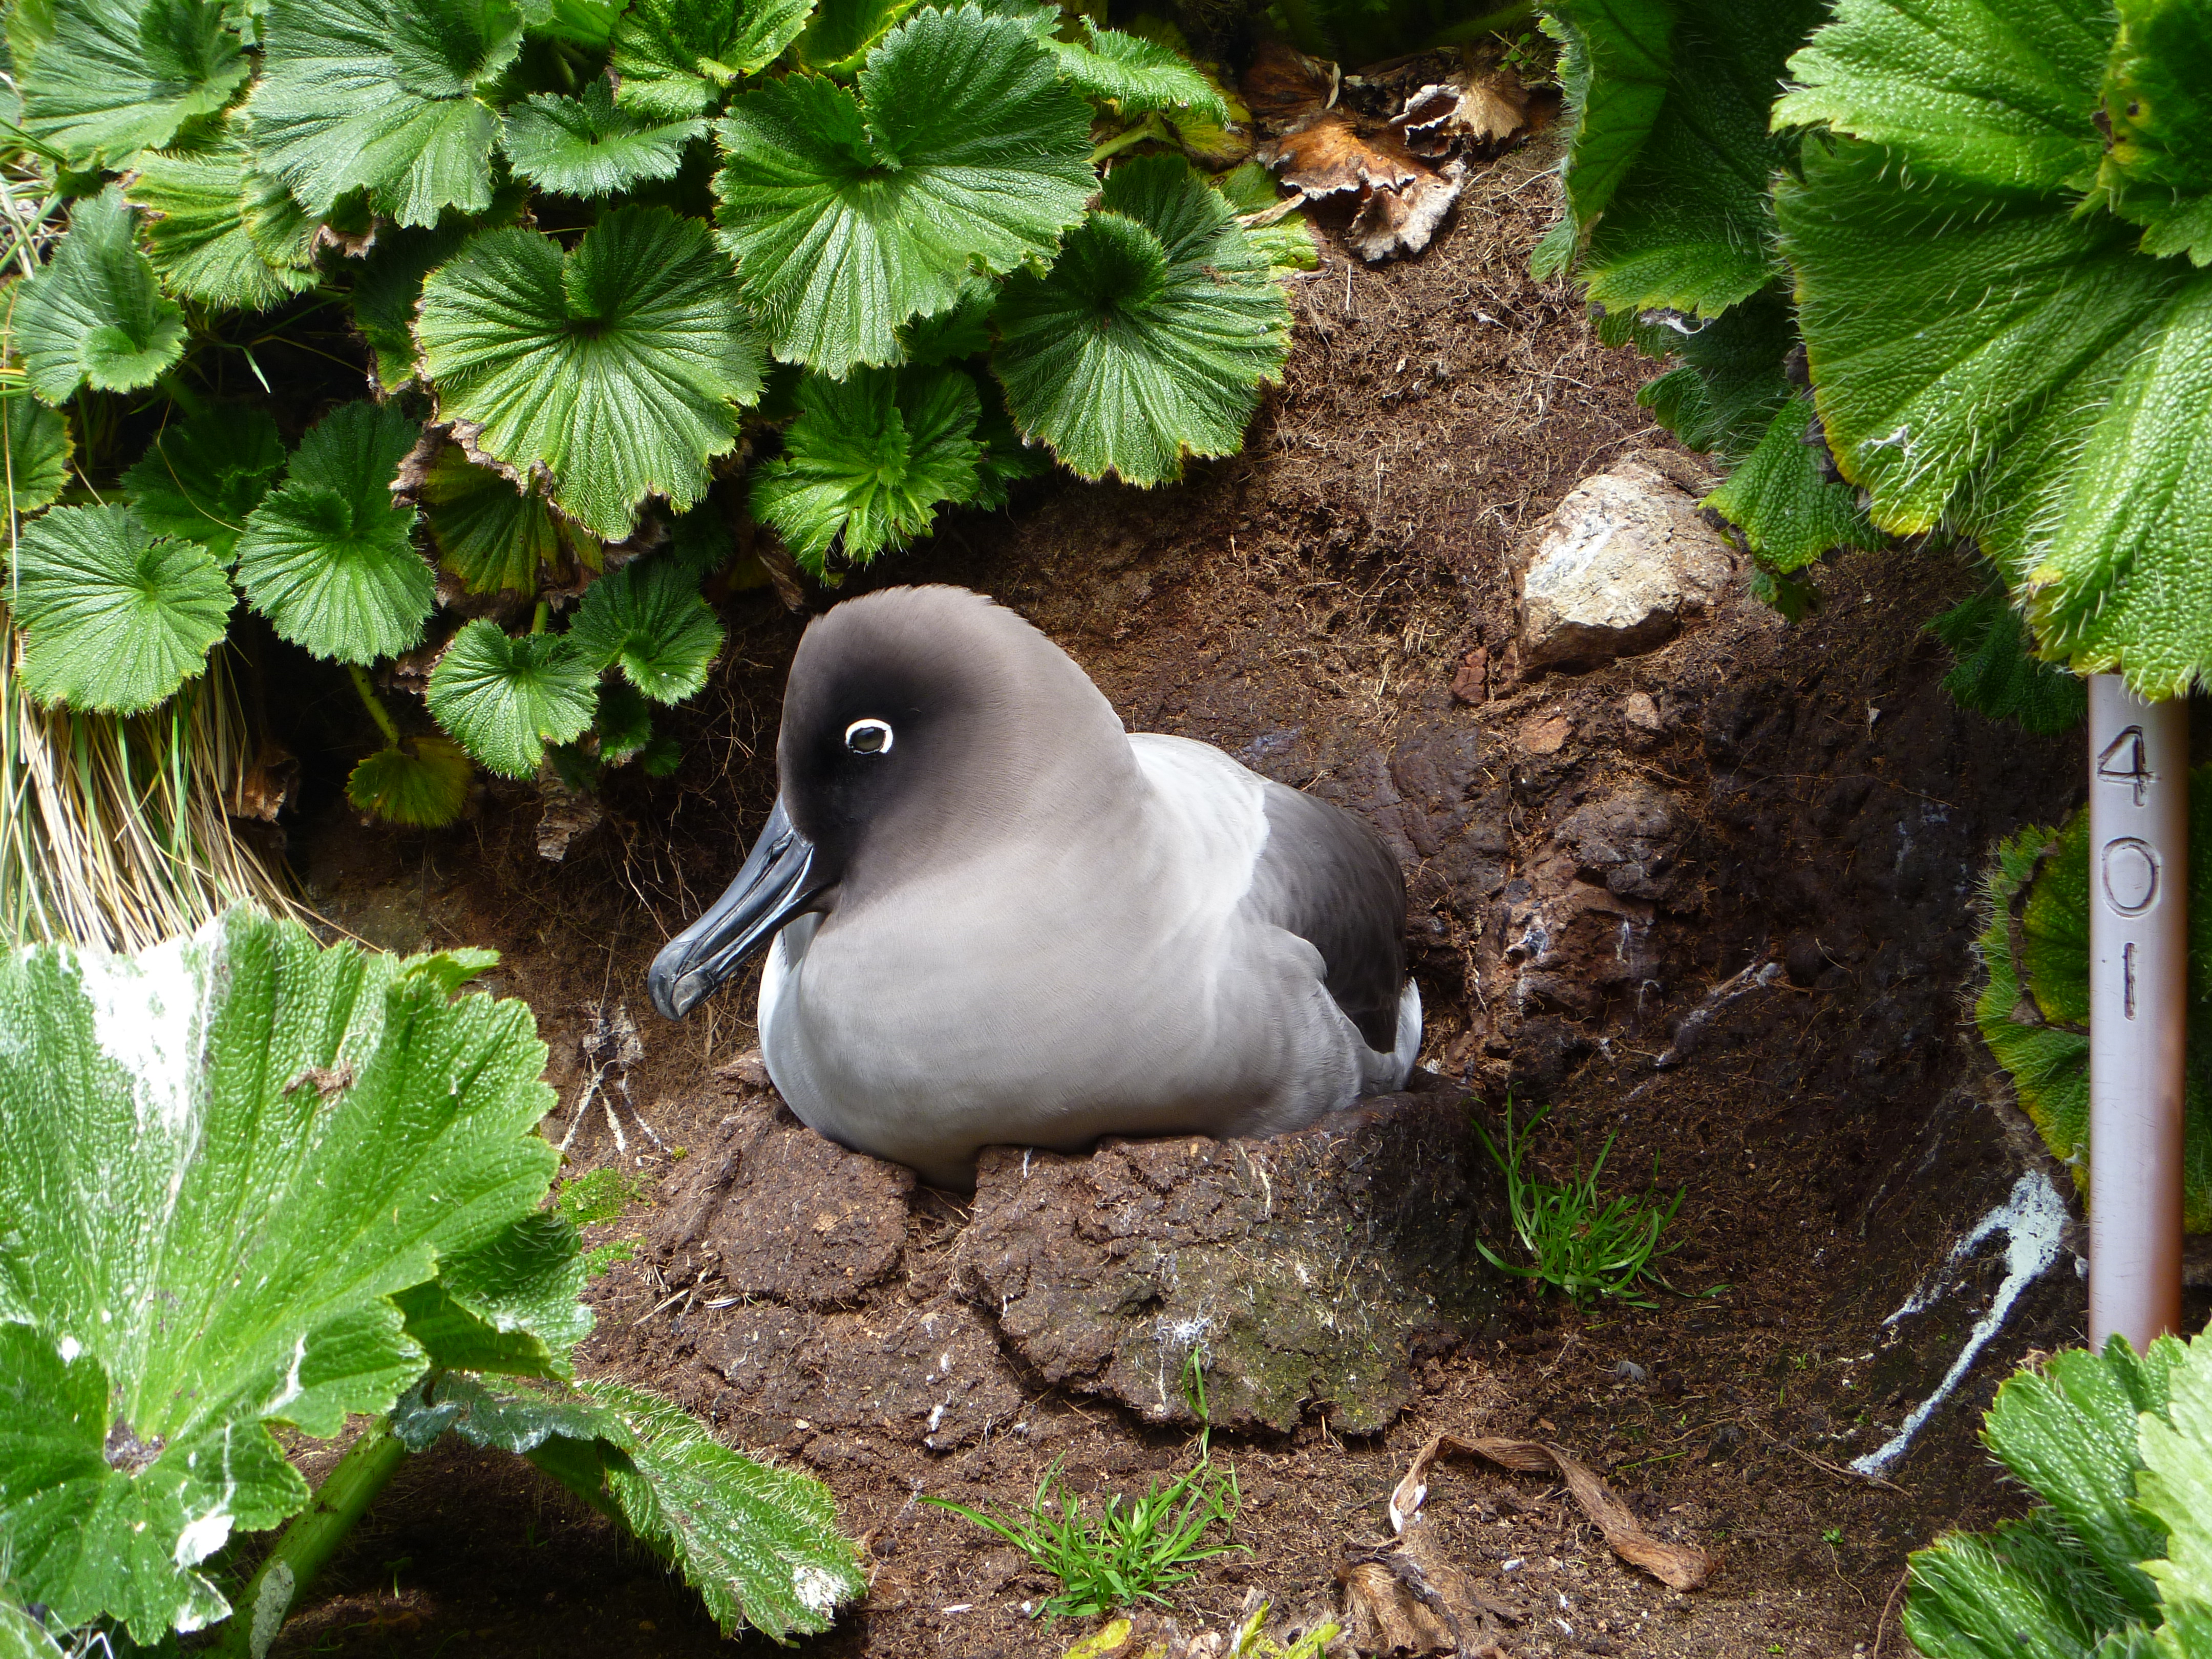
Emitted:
pixel 1013 922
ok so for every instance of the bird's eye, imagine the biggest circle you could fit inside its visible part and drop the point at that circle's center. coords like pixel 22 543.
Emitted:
pixel 868 736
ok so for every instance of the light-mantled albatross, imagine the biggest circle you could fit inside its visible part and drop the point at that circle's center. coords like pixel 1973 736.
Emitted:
pixel 993 916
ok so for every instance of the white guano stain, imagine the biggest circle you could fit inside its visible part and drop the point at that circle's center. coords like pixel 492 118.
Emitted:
pixel 149 1015
pixel 817 1588
pixel 2032 1217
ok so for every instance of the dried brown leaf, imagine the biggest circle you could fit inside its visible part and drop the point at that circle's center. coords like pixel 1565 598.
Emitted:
pixel 1398 221
pixel 1678 1566
pixel 1468 109
pixel 1283 86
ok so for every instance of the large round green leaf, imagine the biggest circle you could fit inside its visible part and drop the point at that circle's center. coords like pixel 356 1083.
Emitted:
pixel 848 215
pixel 587 145
pixel 117 618
pixel 1149 340
pixel 2002 363
pixel 202 240
pixel 506 699
pixel 382 95
pixel 219 1162
pixel 675 57
pixel 421 782
pixel 1997 93
pixel 868 460
pixel 618 367
pixel 496 539
pixel 329 557
pixel 117 76
pixel 647 618
pixel 95 316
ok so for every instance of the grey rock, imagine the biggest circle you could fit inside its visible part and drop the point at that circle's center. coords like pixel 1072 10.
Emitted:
pixel 1620 563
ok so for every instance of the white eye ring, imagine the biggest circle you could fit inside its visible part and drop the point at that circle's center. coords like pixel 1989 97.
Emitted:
pixel 869 737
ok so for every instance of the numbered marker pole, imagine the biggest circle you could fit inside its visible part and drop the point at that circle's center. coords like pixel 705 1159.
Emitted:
pixel 2138 1002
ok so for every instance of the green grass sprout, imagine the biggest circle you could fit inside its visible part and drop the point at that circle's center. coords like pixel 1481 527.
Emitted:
pixel 1579 1244
pixel 1120 1555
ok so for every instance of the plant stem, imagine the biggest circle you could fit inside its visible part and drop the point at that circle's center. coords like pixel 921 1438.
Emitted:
pixel 538 617
pixel 374 704
pixel 1150 127
pixel 182 396
pixel 308 1543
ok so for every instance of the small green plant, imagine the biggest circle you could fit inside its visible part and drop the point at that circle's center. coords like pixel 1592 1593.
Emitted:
pixel 1122 1557
pixel 2115 1562
pixel 1831 1536
pixel 247 1181
pixel 1119 1556
pixel 1578 1242
pixel 597 1196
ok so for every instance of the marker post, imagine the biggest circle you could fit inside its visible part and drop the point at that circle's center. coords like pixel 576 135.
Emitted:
pixel 2138 1008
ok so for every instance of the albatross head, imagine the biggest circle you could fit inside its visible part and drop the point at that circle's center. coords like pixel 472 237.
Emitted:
pixel 919 723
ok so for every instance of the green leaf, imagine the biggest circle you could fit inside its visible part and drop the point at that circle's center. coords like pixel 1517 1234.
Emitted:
pixel 1688 226
pixel 624 724
pixel 117 618
pixel 421 782
pixel 962 331
pixel 2034 1011
pixel 381 96
pixel 844 221
pixel 329 557
pixel 675 58
pixel 2069 1432
pixel 2053 415
pixel 868 460
pixel 199 239
pixel 1996 93
pixel 2157 170
pixel 510 1415
pixel 22 1636
pixel 508 1306
pixel 1997 675
pixel 700 542
pixel 1136 74
pixel 201 478
pixel 618 367
pixel 1790 513
pixel 2175 1487
pixel 494 537
pixel 588 146
pixel 1148 340
pixel 2026 1590
pixel 506 699
pixel 760 1544
pixel 95 316
pixel 37 453
pixel 584 22
pixel 1616 63
pixel 648 618
pixel 219 1161
pixel 1286 245
pixel 117 77
pixel 840 33
pixel 389 286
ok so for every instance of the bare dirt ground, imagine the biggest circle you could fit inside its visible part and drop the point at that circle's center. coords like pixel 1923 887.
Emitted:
pixel 1802 799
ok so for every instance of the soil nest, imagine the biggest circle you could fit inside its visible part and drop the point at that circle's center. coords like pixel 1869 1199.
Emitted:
pixel 1711 901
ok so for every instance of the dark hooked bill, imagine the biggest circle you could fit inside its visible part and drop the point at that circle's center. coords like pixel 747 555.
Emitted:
pixel 778 882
